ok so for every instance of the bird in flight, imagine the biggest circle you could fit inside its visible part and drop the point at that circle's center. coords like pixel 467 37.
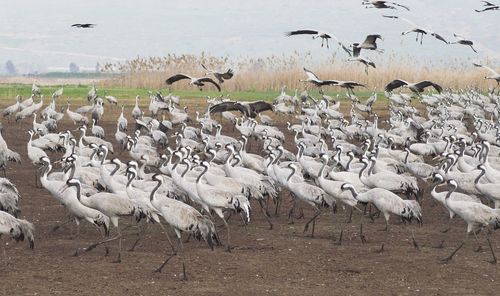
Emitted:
pixel 86 26
pixel 383 4
pixel 494 74
pixel 462 40
pixel 249 109
pixel 219 75
pixel 417 29
pixel 414 87
pixel 488 6
pixel 317 34
pixel 199 82
pixel 313 79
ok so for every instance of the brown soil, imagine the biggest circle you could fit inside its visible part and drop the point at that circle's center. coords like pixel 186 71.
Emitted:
pixel 281 261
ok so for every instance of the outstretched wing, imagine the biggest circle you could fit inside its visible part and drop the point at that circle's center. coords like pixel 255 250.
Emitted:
pixel 228 106
pixel 301 32
pixel 423 84
pixel 210 80
pixel 487 68
pixel 330 82
pixel 371 39
pixel 354 83
pixel 401 18
pixel 486 3
pixel 311 75
pixel 261 106
pixel 203 66
pixel 228 75
pixel 439 37
pixel 176 78
pixel 395 84
pixel 345 48
pixel 459 36
pixel 399 5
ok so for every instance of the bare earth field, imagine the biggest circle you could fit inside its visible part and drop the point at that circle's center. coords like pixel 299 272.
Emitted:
pixel 281 261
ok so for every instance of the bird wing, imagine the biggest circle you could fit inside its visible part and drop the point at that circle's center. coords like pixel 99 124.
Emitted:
pixel 330 82
pixel 175 78
pixel 301 32
pixel 395 84
pixel 354 83
pixel 399 5
pixel 228 75
pixel 487 68
pixel 203 66
pixel 228 106
pixel 311 75
pixel 459 36
pixel 426 83
pixel 439 37
pixel 345 48
pixel 486 3
pixel 210 80
pixel 371 39
pixel 261 106
pixel 401 18
pixel 76 25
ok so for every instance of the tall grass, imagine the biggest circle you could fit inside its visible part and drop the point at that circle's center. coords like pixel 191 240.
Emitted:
pixel 273 72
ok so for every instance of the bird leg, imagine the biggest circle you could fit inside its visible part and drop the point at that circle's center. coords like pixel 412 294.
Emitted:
pixel 290 212
pixel 228 248
pixel 313 219
pixel 327 45
pixel 244 222
pixel 56 227
pixel 386 226
pixel 479 248
pixel 168 237
pixel 494 261
pixel 447 259
pixel 265 214
pixel 119 258
pixel 415 244
pixel 77 238
pixel 159 269
pixel 350 215
pixel 361 234
pixel 278 202
pixel 181 252
pixel 140 231
pixel 339 242
pixel 381 250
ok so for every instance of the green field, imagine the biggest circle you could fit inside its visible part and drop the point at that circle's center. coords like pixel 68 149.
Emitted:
pixel 79 92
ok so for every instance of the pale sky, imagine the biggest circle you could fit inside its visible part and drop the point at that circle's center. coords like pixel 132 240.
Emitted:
pixel 34 32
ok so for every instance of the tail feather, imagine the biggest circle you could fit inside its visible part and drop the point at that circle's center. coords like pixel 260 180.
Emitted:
pixel 24 230
pixel 13 156
pixel 206 230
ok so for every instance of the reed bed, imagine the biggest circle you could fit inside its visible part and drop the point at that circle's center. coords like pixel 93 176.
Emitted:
pixel 273 72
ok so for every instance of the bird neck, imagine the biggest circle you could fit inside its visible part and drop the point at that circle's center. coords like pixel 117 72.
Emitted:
pixel 481 174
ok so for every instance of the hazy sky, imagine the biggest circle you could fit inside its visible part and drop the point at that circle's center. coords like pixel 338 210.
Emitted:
pixel 38 32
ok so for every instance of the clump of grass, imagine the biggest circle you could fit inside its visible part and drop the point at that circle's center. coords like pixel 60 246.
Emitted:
pixel 272 72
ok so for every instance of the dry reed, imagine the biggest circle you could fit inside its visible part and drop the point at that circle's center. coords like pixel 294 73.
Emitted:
pixel 270 73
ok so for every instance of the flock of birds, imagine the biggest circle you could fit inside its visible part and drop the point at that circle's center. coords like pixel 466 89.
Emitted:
pixel 341 161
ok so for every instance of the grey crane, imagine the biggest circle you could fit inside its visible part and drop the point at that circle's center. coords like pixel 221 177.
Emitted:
pixel 421 31
pixel 199 82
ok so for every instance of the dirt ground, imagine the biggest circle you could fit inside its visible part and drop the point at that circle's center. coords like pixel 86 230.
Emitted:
pixel 281 261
